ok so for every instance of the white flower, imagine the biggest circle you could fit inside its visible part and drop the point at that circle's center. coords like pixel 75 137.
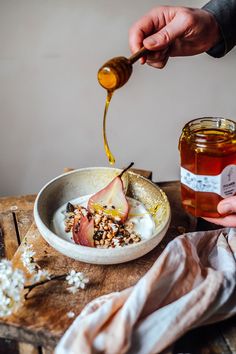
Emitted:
pixel 76 280
pixel 5 267
pixel 11 288
pixel 27 258
pixel 40 276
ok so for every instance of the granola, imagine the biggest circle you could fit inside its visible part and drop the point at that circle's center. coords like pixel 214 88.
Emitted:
pixel 109 232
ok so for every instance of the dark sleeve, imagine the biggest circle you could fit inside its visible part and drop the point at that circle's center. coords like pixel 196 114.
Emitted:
pixel 224 12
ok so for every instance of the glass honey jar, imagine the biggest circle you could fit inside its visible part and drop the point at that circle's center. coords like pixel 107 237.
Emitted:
pixel 208 164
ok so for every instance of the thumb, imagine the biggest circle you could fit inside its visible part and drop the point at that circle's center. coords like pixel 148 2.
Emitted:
pixel 163 38
pixel 227 206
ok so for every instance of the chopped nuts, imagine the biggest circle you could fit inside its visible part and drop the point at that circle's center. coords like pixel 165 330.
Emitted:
pixel 109 232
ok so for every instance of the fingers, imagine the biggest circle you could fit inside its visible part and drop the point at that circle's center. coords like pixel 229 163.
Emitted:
pixel 163 38
pixel 227 221
pixel 156 31
pixel 226 206
pixel 159 64
pixel 158 56
pixel 141 29
pixel 158 59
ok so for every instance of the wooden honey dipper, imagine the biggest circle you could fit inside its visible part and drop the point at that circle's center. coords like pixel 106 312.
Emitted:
pixel 117 71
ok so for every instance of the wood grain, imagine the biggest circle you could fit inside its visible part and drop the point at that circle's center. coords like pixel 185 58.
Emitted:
pixel 8 346
pixel 25 202
pixel 24 220
pixel 50 303
pixel 204 340
pixel 13 228
pixel 26 348
pixel 228 331
pixel 43 318
pixel 144 173
pixel 10 242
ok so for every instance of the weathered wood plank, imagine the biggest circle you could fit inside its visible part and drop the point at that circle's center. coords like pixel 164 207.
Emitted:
pixel 228 331
pixel 144 173
pixel 26 348
pixel 68 169
pixel 8 346
pixel 24 220
pixel 179 218
pixel 51 303
pixel 8 231
pixel 204 340
pixel 47 351
pixel 2 246
pixel 13 225
pixel 14 203
pixel 8 246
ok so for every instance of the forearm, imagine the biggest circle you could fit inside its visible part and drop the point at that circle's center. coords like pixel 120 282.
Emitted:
pixel 225 13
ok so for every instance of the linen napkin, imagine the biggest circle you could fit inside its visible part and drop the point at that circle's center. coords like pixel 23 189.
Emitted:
pixel 191 284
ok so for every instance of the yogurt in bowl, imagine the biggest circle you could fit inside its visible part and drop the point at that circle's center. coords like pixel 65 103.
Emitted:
pixel 149 212
pixel 138 226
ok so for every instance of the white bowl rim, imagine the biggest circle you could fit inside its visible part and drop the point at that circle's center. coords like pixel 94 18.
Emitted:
pixel 92 250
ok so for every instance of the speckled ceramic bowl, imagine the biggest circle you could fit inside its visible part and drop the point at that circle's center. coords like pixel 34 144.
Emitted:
pixel 88 181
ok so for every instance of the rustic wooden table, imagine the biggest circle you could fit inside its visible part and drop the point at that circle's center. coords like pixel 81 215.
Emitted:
pixel 31 332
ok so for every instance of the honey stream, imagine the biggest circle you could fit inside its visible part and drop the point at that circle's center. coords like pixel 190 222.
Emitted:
pixel 109 154
pixel 111 76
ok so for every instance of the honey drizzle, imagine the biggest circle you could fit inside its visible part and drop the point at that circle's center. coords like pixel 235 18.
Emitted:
pixel 109 154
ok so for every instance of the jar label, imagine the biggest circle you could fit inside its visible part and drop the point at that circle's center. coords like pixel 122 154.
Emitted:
pixel 223 184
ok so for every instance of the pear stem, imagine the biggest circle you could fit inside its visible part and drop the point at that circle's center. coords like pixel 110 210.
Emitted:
pixel 126 169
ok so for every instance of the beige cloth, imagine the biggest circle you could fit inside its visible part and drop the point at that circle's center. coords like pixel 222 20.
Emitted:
pixel 191 284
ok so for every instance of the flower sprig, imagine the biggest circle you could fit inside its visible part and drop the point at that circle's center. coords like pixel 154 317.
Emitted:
pixel 15 288
pixel 27 259
pixel 77 280
pixel 11 288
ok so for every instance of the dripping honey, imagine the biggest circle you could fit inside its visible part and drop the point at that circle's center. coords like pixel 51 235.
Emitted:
pixel 111 76
pixel 109 154
pixel 207 146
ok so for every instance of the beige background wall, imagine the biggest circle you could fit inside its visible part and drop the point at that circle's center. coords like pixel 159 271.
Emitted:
pixel 51 105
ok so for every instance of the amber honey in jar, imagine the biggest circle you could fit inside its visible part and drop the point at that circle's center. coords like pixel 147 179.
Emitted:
pixel 208 164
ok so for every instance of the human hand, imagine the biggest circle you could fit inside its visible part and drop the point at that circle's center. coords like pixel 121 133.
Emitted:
pixel 173 31
pixel 226 207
